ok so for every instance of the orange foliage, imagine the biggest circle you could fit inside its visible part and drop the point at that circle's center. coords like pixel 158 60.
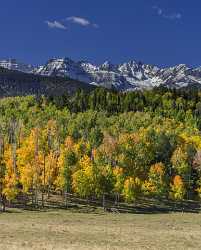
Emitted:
pixel 157 168
pixel 177 181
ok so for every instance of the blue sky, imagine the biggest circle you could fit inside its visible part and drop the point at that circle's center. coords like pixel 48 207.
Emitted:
pixel 161 32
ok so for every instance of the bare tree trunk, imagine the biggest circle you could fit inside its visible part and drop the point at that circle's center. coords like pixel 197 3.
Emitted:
pixel 14 157
pixel 117 199
pixel 66 199
pixel 3 207
pixel 36 197
pixel 37 167
pixel 42 199
pixel 32 195
pixel 48 192
pixel 103 204
pixel 3 203
pixel 44 177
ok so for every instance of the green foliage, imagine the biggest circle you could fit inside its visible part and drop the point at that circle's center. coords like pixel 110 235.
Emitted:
pixel 102 142
pixel 132 189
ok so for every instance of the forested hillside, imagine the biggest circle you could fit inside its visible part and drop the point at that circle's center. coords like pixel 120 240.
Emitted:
pixel 140 144
pixel 16 83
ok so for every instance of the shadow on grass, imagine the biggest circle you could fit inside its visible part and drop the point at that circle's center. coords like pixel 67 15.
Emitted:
pixel 158 207
pixel 11 212
pixel 143 206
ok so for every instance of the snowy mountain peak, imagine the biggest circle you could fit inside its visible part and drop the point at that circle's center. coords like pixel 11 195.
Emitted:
pixel 127 76
pixel 13 64
pixel 107 66
pixel 180 67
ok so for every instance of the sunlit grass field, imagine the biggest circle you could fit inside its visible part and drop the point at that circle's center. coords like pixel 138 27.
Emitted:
pixel 63 229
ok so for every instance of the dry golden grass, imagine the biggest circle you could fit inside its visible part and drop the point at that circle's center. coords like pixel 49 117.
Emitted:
pixel 60 229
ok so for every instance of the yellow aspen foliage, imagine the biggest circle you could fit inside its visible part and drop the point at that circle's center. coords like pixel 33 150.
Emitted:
pixel 85 162
pixel 99 157
pixel 125 138
pixel 179 161
pixel 11 180
pixel 119 179
pixel 82 179
pixel 156 184
pixel 69 143
pixel 178 190
pixel 135 154
pixel 148 187
pixel 60 181
pixel 192 139
pixel 158 169
pixel 81 148
pixel 132 188
pixel 81 183
pixel 48 137
pixel 91 179
pixel 49 174
pixel 2 174
pixel 30 162
pixel 66 164
pixel 51 126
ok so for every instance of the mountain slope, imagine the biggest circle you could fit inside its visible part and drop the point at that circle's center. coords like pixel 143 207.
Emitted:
pixel 13 64
pixel 122 77
pixel 15 83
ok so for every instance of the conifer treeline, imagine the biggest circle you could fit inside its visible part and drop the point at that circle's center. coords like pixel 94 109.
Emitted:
pixel 161 100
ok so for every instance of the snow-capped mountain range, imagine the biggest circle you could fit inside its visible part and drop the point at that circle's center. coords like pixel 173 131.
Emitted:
pixel 13 64
pixel 128 76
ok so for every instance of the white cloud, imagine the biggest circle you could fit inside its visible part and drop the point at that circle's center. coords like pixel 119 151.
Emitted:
pixel 78 20
pixel 173 16
pixel 73 19
pixel 170 16
pixel 81 21
pixel 56 24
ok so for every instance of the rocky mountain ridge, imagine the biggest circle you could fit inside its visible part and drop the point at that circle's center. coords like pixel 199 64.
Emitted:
pixel 128 76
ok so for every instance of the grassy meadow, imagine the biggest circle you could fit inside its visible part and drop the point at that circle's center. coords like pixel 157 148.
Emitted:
pixel 68 229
